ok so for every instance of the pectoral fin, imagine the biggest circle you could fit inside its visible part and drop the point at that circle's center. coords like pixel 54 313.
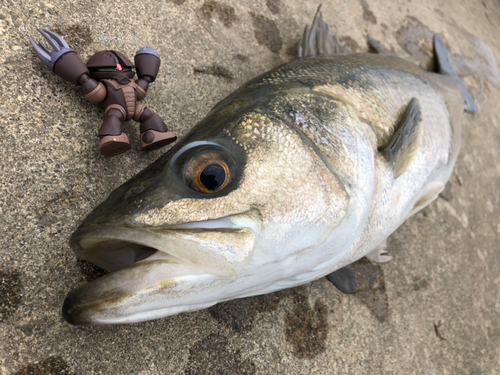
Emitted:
pixel 403 147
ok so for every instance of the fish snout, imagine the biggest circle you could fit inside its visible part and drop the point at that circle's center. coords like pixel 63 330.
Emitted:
pixel 159 271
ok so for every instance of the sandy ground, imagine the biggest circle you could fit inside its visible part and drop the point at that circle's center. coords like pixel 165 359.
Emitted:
pixel 435 309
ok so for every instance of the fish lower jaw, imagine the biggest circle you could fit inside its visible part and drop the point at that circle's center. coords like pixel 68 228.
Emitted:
pixel 144 316
pixel 142 291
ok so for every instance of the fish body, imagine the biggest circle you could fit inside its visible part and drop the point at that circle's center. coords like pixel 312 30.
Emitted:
pixel 298 173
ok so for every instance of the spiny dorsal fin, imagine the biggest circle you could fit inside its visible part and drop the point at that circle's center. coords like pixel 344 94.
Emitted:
pixel 445 67
pixel 403 146
pixel 317 39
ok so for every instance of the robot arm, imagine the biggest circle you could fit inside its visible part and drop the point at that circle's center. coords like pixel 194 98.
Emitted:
pixel 147 63
pixel 66 64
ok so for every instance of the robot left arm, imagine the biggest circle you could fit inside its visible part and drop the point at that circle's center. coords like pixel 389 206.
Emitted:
pixel 66 64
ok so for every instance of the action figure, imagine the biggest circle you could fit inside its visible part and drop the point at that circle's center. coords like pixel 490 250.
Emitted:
pixel 108 79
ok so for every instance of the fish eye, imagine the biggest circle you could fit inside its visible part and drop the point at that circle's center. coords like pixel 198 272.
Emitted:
pixel 209 171
pixel 213 176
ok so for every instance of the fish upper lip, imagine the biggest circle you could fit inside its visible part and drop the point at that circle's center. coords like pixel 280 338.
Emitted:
pixel 113 247
pixel 95 230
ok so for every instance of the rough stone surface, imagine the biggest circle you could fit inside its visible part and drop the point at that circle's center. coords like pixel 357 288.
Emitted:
pixel 441 290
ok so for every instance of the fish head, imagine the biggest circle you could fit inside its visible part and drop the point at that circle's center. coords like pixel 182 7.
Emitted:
pixel 239 207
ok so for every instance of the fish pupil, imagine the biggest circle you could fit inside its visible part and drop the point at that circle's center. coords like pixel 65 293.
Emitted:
pixel 213 176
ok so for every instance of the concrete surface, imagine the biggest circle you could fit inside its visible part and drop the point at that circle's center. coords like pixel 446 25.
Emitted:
pixel 435 309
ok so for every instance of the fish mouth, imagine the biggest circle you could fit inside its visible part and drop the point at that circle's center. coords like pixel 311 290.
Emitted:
pixel 155 271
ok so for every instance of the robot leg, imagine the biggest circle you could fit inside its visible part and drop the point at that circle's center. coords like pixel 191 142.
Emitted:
pixel 113 140
pixel 154 132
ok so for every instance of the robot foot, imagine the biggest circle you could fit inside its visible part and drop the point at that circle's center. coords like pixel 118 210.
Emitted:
pixel 153 139
pixel 111 145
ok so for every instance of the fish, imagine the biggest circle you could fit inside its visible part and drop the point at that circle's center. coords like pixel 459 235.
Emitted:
pixel 294 176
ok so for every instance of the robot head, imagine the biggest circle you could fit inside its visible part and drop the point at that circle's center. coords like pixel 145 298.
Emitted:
pixel 110 65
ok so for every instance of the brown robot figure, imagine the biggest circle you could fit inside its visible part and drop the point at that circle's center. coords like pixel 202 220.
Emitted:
pixel 108 79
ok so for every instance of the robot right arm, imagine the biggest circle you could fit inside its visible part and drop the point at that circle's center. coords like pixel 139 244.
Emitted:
pixel 66 64
pixel 147 63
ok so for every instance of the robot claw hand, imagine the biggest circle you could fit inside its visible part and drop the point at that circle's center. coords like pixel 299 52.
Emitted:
pixel 58 44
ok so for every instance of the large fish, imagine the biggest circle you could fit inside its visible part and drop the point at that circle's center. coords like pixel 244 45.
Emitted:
pixel 295 175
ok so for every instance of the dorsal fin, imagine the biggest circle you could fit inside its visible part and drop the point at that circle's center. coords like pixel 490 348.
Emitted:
pixel 403 146
pixel 445 67
pixel 317 39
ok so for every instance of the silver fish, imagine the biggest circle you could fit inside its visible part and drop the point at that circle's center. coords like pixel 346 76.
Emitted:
pixel 295 175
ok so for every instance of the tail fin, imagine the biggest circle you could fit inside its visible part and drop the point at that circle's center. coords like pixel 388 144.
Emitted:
pixel 444 67
pixel 317 39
